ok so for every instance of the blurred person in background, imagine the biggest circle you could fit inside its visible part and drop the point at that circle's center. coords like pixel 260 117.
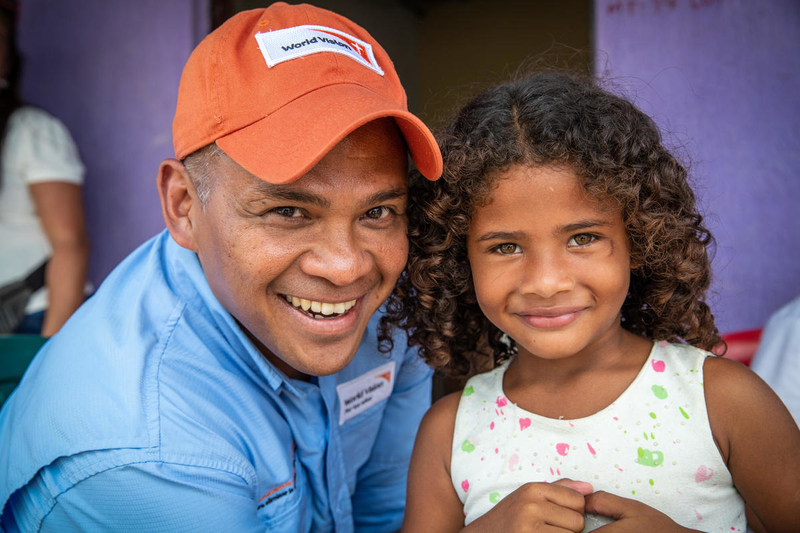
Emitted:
pixel 44 248
pixel 777 360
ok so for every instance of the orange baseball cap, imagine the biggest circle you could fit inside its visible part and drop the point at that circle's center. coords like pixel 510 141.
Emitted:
pixel 277 88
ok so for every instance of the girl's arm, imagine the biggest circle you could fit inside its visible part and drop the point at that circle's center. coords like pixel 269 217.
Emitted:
pixel 432 505
pixel 759 441
pixel 431 502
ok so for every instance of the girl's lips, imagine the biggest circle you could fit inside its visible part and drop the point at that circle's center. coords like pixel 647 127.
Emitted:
pixel 550 318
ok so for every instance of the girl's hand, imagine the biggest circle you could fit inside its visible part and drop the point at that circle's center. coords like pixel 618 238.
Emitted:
pixel 541 507
pixel 631 516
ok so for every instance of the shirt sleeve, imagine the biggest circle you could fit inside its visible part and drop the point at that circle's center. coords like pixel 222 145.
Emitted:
pixel 776 360
pixel 40 148
pixel 380 495
pixel 150 497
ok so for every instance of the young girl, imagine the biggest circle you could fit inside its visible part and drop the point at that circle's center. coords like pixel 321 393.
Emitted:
pixel 562 255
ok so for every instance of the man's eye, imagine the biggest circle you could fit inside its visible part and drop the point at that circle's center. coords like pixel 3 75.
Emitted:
pixel 377 212
pixel 288 212
pixel 507 248
pixel 581 239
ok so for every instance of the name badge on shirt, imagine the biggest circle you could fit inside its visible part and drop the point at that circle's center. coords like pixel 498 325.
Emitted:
pixel 361 393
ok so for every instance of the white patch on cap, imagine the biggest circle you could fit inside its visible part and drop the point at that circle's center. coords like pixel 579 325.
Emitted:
pixel 290 43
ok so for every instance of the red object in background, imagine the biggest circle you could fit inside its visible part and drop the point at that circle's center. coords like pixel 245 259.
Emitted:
pixel 742 345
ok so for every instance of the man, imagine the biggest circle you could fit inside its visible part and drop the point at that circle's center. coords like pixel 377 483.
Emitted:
pixel 226 376
pixel 777 360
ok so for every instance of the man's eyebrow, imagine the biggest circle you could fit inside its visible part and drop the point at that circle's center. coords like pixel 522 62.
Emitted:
pixel 385 196
pixel 281 192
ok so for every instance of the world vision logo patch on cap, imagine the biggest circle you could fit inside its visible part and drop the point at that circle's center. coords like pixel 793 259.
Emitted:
pixel 290 43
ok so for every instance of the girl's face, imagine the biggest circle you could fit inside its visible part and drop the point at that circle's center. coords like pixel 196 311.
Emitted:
pixel 550 264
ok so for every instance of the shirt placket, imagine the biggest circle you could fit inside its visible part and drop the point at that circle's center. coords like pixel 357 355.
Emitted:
pixel 338 492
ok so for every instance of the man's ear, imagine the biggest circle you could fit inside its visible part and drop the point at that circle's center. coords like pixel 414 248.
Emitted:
pixel 178 200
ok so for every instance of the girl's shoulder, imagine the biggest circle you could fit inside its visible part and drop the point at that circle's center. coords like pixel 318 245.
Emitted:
pixel 735 396
pixel 444 410
pixel 438 426
pixel 730 385
pixel 435 435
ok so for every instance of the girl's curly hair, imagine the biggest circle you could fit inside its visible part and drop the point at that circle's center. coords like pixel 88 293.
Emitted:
pixel 551 119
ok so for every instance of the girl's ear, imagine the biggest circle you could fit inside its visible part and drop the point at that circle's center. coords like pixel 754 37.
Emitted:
pixel 178 199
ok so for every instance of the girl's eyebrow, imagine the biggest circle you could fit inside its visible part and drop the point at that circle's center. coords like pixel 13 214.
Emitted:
pixel 582 224
pixel 569 228
pixel 502 235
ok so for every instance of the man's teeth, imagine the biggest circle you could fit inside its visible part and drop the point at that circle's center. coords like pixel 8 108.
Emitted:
pixel 322 308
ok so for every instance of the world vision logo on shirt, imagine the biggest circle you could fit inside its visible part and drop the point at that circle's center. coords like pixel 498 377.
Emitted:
pixel 281 490
pixel 358 395
pixel 291 43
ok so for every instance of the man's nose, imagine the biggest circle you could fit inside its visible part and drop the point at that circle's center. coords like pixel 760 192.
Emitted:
pixel 339 257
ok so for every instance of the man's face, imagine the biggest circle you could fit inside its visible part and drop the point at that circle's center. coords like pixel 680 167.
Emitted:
pixel 303 266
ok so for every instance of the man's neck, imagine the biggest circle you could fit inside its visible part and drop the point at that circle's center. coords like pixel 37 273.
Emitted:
pixel 289 371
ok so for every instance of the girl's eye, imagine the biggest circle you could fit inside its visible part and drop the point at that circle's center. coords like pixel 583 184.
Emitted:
pixel 377 213
pixel 507 248
pixel 581 239
pixel 288 212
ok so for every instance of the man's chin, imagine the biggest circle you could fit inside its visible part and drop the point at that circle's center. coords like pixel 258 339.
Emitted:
pixel 323 362
pixel 299 362
pixel 310 354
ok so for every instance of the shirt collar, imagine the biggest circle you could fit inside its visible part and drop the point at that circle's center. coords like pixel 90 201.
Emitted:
pixel 186 275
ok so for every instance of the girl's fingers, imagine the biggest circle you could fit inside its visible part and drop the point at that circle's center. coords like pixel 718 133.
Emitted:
pixel 562 518
pixel 610 505
pixel 564 493
pixel 580 486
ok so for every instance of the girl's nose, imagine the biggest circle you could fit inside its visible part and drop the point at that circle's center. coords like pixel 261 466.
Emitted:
pixel 546 274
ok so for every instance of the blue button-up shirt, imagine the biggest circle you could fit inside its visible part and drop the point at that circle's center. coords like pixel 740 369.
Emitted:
pixel 152 411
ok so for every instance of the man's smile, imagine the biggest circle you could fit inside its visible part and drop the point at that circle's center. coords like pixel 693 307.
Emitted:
pixel 317 309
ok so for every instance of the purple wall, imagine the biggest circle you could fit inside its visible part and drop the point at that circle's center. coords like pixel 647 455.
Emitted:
pixel 721 77
pixel 110 72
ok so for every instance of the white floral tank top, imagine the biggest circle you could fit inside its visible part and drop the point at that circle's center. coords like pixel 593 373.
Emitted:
pixel 653 444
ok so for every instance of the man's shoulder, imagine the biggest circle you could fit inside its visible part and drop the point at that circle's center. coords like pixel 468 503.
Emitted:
pixel 98 384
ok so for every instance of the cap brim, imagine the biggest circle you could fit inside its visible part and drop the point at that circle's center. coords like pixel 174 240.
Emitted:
pixel 285 145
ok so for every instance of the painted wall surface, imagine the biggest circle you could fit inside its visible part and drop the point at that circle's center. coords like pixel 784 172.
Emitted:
pixel 721 78
pixel 110 72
